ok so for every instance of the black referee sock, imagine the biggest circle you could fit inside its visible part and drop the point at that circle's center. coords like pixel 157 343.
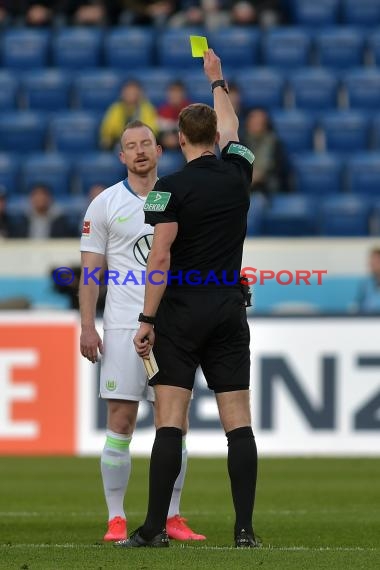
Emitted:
pixel 242 469
pixel 165 465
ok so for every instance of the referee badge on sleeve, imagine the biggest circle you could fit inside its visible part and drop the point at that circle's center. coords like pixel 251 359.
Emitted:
pixel 241 150
pixel 156 201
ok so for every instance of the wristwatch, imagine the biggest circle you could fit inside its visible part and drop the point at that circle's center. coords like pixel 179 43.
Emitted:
pixel 219 83
pixel 145 319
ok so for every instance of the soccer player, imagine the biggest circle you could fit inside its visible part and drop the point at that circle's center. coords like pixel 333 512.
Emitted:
pixel 200 219
pixel 115 235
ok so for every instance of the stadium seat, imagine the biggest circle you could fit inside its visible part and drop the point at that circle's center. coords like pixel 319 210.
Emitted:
pixel 52 169
pixel 22 131
pixel 98 168
pixel 25 48
pixel 315 13
pixel 198 87
pixel 173 49
pixel 374 46
pixel 46 90
pixel 129 48
pixel 8 90
pixel 340 48
pixel 256 214
pixel 74 132
pixel 363 88
pixel 290 216
pixel 314 89
pixel 96 90
pixel 170 161
pixel 237 46
pixel 346 131
pixel 376 132
pixel 286 47
pixel 77 48
pixel 361 12
pixel 317 173
pixel 364 173
pixel 261 87
pixel 295 129
pixel 155 81
pixel 9 172
pixel 375 217
pixel 344 215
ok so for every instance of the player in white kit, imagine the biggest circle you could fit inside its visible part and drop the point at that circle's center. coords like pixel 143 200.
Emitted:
pixel 116 239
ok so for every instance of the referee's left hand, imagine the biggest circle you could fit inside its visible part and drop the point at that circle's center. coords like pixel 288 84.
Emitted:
pixel 144 340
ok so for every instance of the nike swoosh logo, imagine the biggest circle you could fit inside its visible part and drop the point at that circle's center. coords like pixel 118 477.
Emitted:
pixel 122 219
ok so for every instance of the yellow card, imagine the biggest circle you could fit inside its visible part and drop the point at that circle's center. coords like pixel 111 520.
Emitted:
pixel 198 45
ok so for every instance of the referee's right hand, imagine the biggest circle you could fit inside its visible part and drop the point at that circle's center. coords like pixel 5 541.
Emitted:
pixel 212 66
pixel 144 340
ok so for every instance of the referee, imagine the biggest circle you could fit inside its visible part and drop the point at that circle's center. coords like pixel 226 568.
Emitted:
pixel 197 315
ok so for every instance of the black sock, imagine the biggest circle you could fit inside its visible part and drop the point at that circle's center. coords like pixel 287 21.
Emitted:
pixel 165 465
pixel 242 469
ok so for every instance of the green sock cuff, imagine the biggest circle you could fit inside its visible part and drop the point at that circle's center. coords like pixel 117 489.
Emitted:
pixel 115 443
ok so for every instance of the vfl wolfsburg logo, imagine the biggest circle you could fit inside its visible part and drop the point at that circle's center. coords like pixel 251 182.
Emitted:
pixel 111 385
pixel 142 248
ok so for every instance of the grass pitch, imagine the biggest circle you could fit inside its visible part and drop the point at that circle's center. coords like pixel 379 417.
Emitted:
pixel 310 514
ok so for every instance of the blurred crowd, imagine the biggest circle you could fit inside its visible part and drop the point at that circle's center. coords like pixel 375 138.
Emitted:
pixel 210 13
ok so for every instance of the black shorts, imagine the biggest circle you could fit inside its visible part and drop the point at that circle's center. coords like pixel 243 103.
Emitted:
pixel 207 328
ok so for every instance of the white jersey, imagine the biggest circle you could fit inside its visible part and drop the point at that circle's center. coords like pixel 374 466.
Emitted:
pixel 114 226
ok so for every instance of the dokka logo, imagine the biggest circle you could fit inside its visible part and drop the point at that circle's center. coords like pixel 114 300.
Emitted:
pixel 142 248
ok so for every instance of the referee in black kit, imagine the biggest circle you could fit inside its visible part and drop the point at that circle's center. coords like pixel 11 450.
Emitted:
pixel 199 216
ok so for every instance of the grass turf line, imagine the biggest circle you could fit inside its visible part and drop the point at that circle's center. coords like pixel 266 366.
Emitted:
pixel 310 513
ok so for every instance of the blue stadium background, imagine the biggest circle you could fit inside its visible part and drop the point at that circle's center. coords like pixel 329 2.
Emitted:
pixel 319 77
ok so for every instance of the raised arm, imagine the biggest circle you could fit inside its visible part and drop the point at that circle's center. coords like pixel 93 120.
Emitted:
pixel 228 123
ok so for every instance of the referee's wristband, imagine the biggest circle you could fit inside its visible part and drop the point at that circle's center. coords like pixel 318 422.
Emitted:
pixel 145 319
pixel 219 83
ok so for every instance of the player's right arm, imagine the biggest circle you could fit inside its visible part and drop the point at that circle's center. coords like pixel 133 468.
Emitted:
pixel 90 340
pixel 93 259
pixel 228 122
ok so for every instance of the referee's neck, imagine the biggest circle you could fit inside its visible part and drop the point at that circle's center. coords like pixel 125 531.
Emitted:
pixel 192 152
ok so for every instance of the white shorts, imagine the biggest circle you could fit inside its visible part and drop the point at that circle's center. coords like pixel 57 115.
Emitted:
pixel 122 372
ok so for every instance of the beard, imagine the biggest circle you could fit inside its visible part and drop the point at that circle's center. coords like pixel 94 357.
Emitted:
pixel 142 167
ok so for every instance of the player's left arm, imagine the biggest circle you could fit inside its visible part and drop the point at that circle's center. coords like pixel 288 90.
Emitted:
pixel 157 272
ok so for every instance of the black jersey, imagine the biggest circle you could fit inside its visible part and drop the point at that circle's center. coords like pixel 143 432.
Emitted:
pixel 209 199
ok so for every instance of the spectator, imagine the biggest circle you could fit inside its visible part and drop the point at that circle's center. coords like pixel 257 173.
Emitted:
pixel 208 13
pixel 132 106
pixel 88 12
pixel 39 14
pixel 270 172
pixel 176 100
pixel 235 97
pixel 5 13
pixel 152 12
pixel 252 12
pixel 43 219
pixel 368 299
pixel 7 226
pixel 169 140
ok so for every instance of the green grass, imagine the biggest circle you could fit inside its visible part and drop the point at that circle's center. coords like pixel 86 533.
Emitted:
pixel 310 513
